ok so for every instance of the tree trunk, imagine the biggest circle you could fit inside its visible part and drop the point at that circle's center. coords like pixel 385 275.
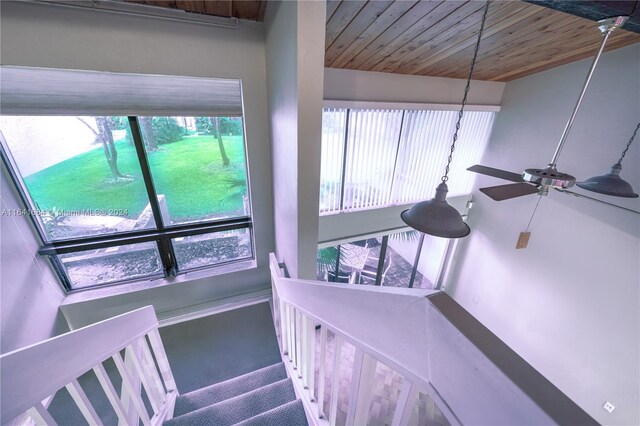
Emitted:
pixel 147 133
pixel 105 136
pixel 223 154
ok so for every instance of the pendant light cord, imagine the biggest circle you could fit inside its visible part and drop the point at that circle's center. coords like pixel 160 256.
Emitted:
pixel 445 178
pixel 629 143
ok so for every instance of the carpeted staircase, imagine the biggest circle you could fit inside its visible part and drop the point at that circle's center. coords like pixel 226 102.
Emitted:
pixel 263 397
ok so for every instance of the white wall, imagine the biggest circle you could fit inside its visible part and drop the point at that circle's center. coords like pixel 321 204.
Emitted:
pixel 295 54
pixel 56 37
pixel 569 303
pixel 29 292
pixel 280 42
pixel 353 85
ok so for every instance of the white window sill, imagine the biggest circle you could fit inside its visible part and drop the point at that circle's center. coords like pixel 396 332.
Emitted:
pixel 146 284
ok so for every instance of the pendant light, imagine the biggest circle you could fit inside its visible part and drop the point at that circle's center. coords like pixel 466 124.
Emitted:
pixel 611 183
pixel 436 217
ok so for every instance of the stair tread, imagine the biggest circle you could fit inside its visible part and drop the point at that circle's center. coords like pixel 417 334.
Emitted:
pixel 289 414
pixel 239 408
pixel 221 391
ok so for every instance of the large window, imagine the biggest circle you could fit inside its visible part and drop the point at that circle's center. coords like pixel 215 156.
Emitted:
pixel 118 198
pixel 373 158
pixel 406 258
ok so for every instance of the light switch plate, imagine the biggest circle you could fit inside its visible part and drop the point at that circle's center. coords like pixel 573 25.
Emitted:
pixel 609 407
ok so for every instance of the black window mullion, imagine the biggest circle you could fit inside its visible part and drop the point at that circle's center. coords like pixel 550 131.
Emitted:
pixel 415 262
pixel 56 263
pixel 383 254
pixel 164 245
pixel 344 160
pixel 335 277
pixel 140 236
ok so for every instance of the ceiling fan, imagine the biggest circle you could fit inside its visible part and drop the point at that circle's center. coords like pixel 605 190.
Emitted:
pixel 539 181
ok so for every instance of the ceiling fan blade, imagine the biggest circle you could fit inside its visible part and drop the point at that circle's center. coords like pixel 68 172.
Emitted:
pixel 501 174
pixel 511 190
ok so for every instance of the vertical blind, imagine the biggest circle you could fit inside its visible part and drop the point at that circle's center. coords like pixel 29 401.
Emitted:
pixel 373 158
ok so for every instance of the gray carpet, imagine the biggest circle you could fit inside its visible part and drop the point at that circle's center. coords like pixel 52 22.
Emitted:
pixel 228 389
pixel 289 414
pixel 239 408
pixel 220 347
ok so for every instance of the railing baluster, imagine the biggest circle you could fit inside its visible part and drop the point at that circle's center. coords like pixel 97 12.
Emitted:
pixel 321 369
pixel 134 396
pixel 292 335
pixel 406 401
pixel 362 382
pixel 132 415
pixel 150 367
pixel 283 328
pixel 41 416
pixel 144 377
pixel 83 403
pixel 298 321
pixel 306 350
pixel 163 362
pixel 111 393
pixel 335 382
pixel 311 366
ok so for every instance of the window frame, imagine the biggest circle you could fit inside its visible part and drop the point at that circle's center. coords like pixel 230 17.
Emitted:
pixel 448 254
pixel 161 234
pixel 405 107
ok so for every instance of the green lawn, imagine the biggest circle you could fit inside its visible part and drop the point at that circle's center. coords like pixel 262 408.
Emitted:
pixel 188 172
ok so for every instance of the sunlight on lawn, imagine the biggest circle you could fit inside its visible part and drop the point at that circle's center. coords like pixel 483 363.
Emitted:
pixel 189 173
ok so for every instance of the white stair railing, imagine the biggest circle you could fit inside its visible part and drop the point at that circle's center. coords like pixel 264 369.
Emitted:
pixel 437 347
pixel 300 306
pixel 33 374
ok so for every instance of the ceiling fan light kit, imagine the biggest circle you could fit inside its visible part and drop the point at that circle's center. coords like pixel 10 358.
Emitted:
pixel 436 217
pixel 541 180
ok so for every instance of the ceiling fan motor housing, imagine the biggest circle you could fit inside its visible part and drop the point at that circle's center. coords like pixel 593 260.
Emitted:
pixel 549 176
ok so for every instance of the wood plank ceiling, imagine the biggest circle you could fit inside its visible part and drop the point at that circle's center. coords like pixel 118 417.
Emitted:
pixel 437 38
pixel 242 9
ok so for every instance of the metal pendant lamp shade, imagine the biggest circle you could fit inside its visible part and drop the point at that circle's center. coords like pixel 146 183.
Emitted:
pixel 611 183
pixel 436 217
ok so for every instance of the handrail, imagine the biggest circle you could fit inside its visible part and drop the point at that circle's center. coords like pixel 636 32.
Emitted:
pixel 426 337
pixel 31 374
pixel 375 337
